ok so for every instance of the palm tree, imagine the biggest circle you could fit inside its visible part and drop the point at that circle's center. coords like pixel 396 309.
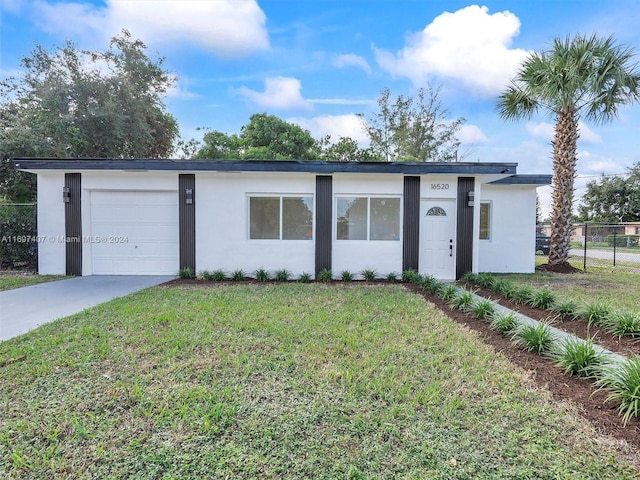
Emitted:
pixel 580 77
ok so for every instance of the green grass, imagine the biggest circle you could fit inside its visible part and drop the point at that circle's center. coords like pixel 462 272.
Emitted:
pixel 9 281
pixel 597 285
pixel 278 381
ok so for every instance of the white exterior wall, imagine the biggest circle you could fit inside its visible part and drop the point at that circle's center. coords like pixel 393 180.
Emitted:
pixel 357 255
pixel 222 223
pixel 51 248
pixel 512 224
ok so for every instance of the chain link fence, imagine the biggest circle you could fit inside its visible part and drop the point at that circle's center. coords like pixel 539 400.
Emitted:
pixel 18 236
pixel 605 245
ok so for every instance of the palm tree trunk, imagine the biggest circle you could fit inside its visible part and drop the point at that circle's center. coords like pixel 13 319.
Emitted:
pixel 564 172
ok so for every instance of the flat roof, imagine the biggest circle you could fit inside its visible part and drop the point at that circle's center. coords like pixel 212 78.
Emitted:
pixel 308 166
pixel 524 179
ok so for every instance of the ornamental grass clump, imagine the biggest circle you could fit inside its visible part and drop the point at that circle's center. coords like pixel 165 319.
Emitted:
pixel 463 301
pixel 596 313
pixel 522 294
pixel 500 285
pixel 410 276
pixel 369 275
pixel 304 277
pixel 485 280
pixel 469 277
pixel 324 275
pixel 428 282
pixel 483 309
pixel 534 338
pixel 622 381
pixel 447 292
pixel 205 275
pixel 542 298
pixel 623 324
pixel 346 276
pixel 392 277
pixel 282 275
pixel 186 272
pixel 504 322
pixel 578 357
pixel 565 309
pixel 262 275
pixel 238 275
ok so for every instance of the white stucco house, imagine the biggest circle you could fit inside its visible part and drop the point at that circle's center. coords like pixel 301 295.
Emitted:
pixel 115 216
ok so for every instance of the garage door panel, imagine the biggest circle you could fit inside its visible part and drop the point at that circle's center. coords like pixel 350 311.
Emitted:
pixel 134 233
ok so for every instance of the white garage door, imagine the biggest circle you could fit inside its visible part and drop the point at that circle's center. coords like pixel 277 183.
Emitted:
pixel 134 233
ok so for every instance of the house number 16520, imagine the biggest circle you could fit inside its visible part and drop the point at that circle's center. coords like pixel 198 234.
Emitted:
pixel 439 186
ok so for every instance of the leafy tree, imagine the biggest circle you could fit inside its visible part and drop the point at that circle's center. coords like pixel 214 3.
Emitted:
pixel 265 137
pixel 74 103
pixel 413 129
pixel 613 199
pixel 346 150
pixel 585 77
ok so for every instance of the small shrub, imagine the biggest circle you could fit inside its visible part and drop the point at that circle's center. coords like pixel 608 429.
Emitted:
pixel 218 275
pixel 437 286
pixel 596 313
pixel 186 272
pixel 392 277
pixel 205 275
pixel 534 338
pixel 522 294
pixel 577 357
pixel 565 309
pixel 447 292
pixel 346 276
pixel 508 290
pixel 483 309
pixel 410 276
pixel 500 285
pixel 485 280
pixel 324 275
pixel 542 298
pixel 622 381
pixel 369 275
pixel 504 322
pixel 304 277
pixel 469 277
pixel 624 324
pixel 238 275
pixel 463 301
pixel 282 275
pixel 427 282
pixel 262 275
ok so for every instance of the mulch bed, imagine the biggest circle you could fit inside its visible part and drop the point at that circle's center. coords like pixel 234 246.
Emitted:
pixel 579 392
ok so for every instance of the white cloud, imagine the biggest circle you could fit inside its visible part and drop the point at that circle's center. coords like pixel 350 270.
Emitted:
pixel 352 60
pixel 349 125
pixel 469 45
pixel 593 163
pixel 546 131
pixel 471 134
pixel 340 101
pixel 225 27
pixel 280 92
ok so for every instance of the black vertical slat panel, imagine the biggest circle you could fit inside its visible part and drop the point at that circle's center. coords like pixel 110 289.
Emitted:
pixel 411 223
pixel 324 239
pixel 73 223
pixel 464 241
pixel 187 220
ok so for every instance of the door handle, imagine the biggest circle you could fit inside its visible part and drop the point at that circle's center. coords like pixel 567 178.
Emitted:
pixel 451 250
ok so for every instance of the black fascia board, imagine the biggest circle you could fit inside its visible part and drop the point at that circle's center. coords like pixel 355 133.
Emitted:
pixel 524 179
pixel 305 166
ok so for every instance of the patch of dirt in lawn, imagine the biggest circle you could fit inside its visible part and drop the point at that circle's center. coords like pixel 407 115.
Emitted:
pixel 580 392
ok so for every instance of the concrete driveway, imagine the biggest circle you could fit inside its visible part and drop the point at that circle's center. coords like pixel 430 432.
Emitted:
pixel 26 308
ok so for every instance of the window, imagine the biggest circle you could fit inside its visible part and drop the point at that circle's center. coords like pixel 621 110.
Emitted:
pixel 280 218
pixel 368 218
pixel 485 221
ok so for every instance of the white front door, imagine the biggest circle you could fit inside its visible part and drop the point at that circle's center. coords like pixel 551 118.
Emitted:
pixel 437 238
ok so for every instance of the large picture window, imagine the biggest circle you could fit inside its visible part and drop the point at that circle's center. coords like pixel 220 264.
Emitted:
pixel 485 221
pixel 368 218
pixel 280 218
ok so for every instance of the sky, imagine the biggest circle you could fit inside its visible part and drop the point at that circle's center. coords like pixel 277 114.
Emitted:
pixel 319 63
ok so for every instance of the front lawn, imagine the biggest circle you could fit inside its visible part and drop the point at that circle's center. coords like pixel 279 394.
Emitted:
pixel 17 280
pixel 278 381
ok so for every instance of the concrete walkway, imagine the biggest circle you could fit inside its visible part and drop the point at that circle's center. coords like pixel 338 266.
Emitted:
pixel 26 308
